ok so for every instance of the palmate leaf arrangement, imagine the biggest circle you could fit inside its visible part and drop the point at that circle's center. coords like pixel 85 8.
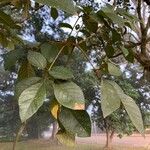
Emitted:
pixel 68 105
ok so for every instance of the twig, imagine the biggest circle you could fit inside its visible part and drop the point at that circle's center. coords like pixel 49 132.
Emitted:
pixel 52 64
pixel 18 135
pixel 117 55
pixel 139 3
pixel 74 26
pixel 96 71
pixel 85 55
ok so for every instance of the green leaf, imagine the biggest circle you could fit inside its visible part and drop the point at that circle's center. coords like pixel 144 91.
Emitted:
pixel 116 19
pixel 49 51
pixel 69 95
pixel 133 112
pixel 66 138
pixel 116 37
pixel 110 98
pixel 109 50
pixel 25 71
pixel 65 25
pixel 7 20
pixel 114 70
pixel 30 100
pixel 130 56
pixel 76 122
pixel 60 72
pixel 12 57
pixel 112 95
pixel 54 13
pixel 65 5
pixel 90 23
pixel 125 51
pixel 10 45
pixel 24 84
pixel 37 59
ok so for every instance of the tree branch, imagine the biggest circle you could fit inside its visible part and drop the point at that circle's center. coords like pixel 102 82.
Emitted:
pixel 139 3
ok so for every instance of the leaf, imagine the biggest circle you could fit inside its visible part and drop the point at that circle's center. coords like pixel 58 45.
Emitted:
pixel 130 56
pixel 110 98
pixel 125 51
pixel 69 94
pixel 133 112
pixel 54 107
pixel 90 23
pixel 25 71
pixel 10 45
pixel 60 72
pixel 116 37
pixel 49 87
pixel 12 57
pixel 66 138
pixel 114 70
pixel 65 25
pixel 49 51
pixel 3 39
pixel 7 20
pixel 109 50
pixel 65 5
pixel 37 59
pixel 30 100
pixel 76 122
pixel 54 13
pixel 112 95
pixel 116 19
pixel 24 84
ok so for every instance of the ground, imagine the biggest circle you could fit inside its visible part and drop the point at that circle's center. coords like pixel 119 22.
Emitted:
pixel 135 140
pixel 96 142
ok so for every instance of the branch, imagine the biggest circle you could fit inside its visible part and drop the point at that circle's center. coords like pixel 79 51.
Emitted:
pixel 74 25
pixel 85 55
pixel 52 64
pixel 117 55
pixel 139 3
pixel 18 135
pixel 148 24
pixel 144 29
pixel 96 71
pixel 148 40
pixel 132 44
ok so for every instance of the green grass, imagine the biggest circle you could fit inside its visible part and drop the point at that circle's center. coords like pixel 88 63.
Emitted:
pixel 46 145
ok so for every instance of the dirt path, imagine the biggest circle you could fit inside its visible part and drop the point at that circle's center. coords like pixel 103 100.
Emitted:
pixel 135 140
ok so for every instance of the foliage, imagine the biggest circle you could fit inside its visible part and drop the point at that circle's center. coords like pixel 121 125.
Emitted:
pixel 102 29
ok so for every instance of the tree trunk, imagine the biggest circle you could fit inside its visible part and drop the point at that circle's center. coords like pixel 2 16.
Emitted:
pixel 54 130
pixel 109 138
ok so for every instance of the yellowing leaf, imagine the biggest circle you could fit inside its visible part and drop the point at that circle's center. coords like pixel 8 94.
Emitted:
pixel 79 106
pixel 54 107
